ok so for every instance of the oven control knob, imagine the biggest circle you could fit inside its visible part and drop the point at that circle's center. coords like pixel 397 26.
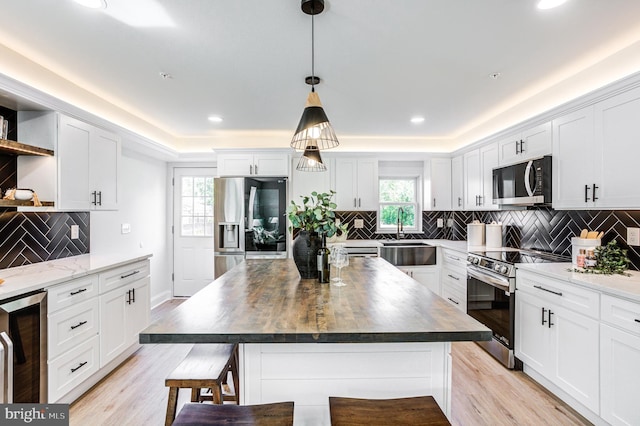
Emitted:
pixel 470 259
pixel 498 268
pixel 503 269
pixel 476 261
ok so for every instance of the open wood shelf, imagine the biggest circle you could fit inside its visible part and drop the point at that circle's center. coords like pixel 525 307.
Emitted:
pixel 21 203
pixel 8 147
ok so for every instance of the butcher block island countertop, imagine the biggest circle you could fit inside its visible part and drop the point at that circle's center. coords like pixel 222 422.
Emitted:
pixel 383 335
pixel 265 301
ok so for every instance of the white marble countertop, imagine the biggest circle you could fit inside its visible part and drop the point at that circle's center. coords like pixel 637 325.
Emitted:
pixel 617 285
pixel 23 279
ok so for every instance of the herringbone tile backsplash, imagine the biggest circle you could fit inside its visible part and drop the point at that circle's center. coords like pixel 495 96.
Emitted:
pixel 540 228
pixel 27 238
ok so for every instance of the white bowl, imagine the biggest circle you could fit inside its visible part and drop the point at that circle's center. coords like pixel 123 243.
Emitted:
pixel 23 194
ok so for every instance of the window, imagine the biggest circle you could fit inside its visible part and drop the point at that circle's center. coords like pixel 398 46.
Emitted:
pixel 196 206
pixel 398 193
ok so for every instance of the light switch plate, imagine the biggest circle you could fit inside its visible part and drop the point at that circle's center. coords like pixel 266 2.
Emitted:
pixel 440 222
pixel 75 232
pixel 126 228
pixel 358 223
pixel 449 223
pixel 633 236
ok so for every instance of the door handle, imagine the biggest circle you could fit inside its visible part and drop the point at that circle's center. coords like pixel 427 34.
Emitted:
pixel 521 146
pixel 454 277
pixel 133 292
pixel 7 368
pixel 453 301
pixel 82 364
pixel 539 287
pixel 593 193
pixel 518 151
pixel 128 297
pixel 128 275
pixel 355 202
pixel 359 202
pixel 459 201
pixel 434 203
pixel 255 168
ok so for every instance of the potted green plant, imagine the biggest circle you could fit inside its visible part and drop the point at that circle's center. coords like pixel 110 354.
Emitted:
pixel 315 216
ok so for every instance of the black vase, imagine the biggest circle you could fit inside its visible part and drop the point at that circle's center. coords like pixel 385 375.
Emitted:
pixel 304 249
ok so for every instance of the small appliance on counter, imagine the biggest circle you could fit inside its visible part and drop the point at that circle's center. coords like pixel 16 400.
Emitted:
pixel 475 233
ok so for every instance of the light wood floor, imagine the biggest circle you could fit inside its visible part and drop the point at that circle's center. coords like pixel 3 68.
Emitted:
pixel 484 392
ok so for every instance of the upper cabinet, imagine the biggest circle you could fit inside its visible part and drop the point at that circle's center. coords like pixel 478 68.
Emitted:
pixel 304 183
pixel 457 182
pixel 595 154
pixel 253 164
pixel 478 177
pixel 83 174
pixel 437 184
pixel 531 143
pixel 356 183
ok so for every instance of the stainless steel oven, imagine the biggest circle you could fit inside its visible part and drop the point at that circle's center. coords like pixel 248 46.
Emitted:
pixel 23 341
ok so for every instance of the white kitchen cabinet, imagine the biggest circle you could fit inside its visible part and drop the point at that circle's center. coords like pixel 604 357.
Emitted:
pixel 357 183
pixel 427 275
pixel 304 183
pixel 437 184
pixel 253 164
pixel 619 353
pixel 457 183
pixel 478 177
pixel 453 277
pixel 529 144
pixel 83 174
pixel 124 311
pixel 558 342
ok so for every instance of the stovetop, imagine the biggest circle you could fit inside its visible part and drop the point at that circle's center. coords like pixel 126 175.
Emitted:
pixel 502 262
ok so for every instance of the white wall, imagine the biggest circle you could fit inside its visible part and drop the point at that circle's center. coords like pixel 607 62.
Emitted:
pixel 142 204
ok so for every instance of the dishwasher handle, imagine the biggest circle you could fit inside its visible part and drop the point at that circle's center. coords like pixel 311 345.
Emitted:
pixel 6 393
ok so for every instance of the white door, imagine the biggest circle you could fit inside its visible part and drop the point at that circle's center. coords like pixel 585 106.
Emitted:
pixel 193 229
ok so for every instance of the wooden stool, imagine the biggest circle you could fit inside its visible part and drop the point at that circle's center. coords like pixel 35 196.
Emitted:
pixel 277 414
pixel 205 366
pixel 421 410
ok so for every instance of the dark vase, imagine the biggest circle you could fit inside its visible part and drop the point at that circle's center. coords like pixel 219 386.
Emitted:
pixel 305 248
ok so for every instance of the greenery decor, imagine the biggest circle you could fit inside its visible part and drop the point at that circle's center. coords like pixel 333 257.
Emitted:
pixel 317 214
pixel 610 259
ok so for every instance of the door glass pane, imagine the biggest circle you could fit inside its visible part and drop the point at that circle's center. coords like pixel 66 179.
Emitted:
pixel 196 206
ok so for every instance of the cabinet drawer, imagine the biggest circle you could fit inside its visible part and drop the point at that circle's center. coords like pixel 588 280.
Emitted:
pixel 126 274
pixel 72 368
pixel 71 326
pixel 621 313
pixel 454 278
pixel 71 293
pixel 562 293
pixel 456 297
pixel 454 258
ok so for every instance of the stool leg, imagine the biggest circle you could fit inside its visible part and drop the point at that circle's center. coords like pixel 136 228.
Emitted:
pixel 217 393
pixel 172 405
pixel 195 395
pixel 234 377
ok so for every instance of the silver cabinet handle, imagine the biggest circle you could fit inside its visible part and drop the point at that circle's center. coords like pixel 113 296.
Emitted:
pixel 459 201
pixel 359 202
pixel 539 287
pixel 355 202
pixel 7 369
pixel 434 203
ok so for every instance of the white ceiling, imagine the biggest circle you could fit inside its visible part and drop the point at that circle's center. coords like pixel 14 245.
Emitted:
pixel 381 62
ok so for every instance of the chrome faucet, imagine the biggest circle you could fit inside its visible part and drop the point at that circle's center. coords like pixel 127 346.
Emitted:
pixel 399 228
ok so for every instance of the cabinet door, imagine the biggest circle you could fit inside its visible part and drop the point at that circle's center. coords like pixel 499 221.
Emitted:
pixel 536 142
pixel 438 182
pixel 575 343
pixel 509 150
pixel 304 183
pixel 457 183
pixel 114 336
pixel 488 161
pixel 138 309
pixel 472 177
pixel 74 138
pixel 271 165
pixel 532 344
pixel 235 164
pixel 367 179
pixel 617 130
pixel 346 183
pixel 620 376
pixel 575 159
pixel 104 155
pixel 427 275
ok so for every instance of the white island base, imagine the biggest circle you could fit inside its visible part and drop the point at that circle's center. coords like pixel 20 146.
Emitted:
pixel 308 373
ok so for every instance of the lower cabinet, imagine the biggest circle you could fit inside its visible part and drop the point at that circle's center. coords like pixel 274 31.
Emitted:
pixel 90 322
pixel 427 275
pixel 453 278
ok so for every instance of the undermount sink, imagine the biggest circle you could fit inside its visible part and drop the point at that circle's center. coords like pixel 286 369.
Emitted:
pixel 407 253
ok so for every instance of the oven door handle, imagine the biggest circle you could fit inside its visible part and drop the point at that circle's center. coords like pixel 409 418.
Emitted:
pixel 6 396
pixel 489 279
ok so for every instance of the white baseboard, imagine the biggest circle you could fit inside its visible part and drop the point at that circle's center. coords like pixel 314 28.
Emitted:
pixel 160 298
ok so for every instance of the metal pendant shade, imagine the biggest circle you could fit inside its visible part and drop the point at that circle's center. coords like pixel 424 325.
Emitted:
pixel 314 132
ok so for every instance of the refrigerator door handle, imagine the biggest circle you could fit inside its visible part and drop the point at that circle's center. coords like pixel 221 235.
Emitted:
pixel 7 368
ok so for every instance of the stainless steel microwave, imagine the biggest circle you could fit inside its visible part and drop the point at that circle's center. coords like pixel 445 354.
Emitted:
pixel 523 184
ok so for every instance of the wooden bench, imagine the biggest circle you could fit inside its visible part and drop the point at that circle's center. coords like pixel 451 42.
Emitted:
pixel 206 366
pixel 276 414
pixel 421 410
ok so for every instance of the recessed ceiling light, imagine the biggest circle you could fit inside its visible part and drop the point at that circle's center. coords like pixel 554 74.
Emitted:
pixel 416 120
pixel 215 119
pixel 550 4
pixel 93 4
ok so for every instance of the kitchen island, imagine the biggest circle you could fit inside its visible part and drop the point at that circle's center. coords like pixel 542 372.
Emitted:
pixel 383 335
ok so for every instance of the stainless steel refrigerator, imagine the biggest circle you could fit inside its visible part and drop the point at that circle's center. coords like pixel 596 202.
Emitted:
pixel 249 220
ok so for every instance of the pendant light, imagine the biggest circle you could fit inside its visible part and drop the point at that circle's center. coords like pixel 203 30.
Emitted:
pixel 314 132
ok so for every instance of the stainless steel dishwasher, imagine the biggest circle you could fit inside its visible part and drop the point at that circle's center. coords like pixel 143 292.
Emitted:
pixel 23 338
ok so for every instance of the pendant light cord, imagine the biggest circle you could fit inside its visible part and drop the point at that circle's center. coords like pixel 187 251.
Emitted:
pixel 313 74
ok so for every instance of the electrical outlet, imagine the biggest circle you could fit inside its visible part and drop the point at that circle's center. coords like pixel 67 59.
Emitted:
pixel 126 228
pixel 633 236
pixel 358 223
pixel 75 232
pixel 337 221
pixel 449 223
pixel 440 223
